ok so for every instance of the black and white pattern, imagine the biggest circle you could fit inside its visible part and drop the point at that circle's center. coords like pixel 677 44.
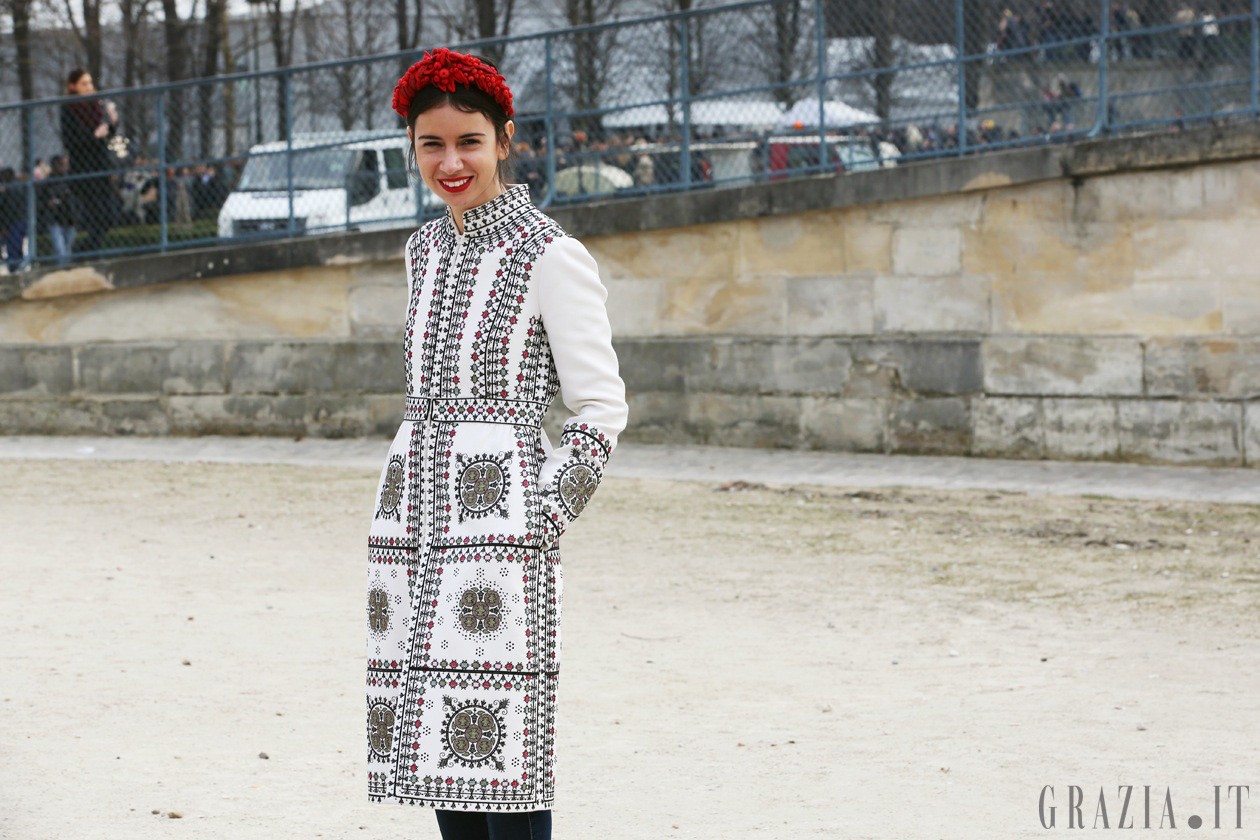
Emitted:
pixel 465 586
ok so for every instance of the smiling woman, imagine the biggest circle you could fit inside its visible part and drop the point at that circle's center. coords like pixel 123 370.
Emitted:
pixel 465 586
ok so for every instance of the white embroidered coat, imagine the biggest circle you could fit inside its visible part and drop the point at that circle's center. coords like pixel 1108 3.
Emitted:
pixel 465 588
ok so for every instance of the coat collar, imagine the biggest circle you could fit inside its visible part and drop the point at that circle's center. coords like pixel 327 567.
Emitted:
pixel 493 214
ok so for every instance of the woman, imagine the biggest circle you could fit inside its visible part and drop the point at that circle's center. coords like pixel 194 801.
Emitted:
pixel 86 126
pixel 464 582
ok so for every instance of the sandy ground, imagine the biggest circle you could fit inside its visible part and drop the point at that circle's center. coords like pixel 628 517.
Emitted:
pixel 186 639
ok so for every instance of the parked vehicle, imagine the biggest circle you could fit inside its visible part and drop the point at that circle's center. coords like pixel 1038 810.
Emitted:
pixel 845 153
pixel 350 181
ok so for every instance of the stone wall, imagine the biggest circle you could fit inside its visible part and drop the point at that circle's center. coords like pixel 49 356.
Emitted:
pixel 1094 301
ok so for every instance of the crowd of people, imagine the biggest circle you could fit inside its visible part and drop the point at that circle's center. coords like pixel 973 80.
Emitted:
pixel 1043 33
pixel 95 184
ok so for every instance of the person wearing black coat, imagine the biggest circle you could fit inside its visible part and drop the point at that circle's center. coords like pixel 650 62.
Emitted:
pixel 59 209
pixel 86 126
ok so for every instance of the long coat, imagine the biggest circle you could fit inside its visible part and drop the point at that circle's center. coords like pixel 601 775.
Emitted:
pixel 465 588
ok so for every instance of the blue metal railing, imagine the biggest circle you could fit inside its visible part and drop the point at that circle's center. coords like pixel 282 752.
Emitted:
pixel 957 103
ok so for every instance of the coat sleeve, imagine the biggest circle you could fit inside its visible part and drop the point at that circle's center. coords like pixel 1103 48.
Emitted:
pixel 572 300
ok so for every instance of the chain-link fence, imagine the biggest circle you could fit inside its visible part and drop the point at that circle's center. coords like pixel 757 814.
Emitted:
pixel 714 96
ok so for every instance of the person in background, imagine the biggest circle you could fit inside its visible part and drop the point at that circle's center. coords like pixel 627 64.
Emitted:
pixel 12 218
pixel 86 126
pixel 40 170
pixel 58 209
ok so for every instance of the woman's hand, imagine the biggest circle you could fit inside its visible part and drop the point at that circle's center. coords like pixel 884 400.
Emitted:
pixel 111 111
pixel 101 130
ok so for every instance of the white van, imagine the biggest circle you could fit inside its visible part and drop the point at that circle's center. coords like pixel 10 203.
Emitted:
pixel 341 181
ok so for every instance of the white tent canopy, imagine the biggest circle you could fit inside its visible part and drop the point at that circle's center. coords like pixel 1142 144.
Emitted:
pixel 711 112
pixel 717 112
pixel 804 114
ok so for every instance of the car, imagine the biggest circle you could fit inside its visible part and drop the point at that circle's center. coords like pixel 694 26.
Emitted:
pixel 341 181
pixel 845 153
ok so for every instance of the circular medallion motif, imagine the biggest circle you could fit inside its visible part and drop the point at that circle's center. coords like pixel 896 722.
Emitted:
pixel 577 485
pixel 480 610
pixel 473 733
pixel 378 611
pixel 380 729
pixel 392 487
pixel 481 486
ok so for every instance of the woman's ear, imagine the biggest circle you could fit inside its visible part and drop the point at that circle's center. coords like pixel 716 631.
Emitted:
pixel 505 148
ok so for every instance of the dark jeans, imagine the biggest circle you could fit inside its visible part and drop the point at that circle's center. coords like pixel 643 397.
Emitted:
pixel 513 825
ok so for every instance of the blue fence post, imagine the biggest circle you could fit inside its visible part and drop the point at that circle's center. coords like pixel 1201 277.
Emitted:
pixel 960 47
pixel 288 137
pixel 820 45
pixel 31 229
pixel 1104 29
pixel 549 71
pixel 161 141
pixel 684 89
pixel 1255 57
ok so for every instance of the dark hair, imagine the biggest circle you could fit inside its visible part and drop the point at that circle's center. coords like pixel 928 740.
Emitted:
pixel 74 75
pixel 469 99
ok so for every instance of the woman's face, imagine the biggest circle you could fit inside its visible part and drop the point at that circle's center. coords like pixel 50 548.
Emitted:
pixel 82 87
pixel 457 155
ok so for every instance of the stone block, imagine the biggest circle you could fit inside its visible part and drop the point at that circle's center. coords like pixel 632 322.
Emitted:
pixel 867 247
pixel 661 364
pixel 845 425
pixel 744 420
pixel 1062 366
pixel 299 367
pixel 1080 428
pixel 792 244
pixel 692 253
pixel 1006 427
pixel 926 251
pixel 83 416
pixel 634 305
pixel 378 311
pixel 1240 306
pixel 939 367
pixel 931 304
pixel 1251 433
pixel 1222 367
pixel 772 366
pixel 934 426
pixel 238 414
pixel 956 209
pixel 1169 249
pixel 50 415
pixel 165 368
pixel 1181 431
pixel 35 369
pixel 749 304
pixel 831 305
pixel 656 417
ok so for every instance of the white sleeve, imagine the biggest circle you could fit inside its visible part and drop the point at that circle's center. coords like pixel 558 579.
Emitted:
pixel 572 300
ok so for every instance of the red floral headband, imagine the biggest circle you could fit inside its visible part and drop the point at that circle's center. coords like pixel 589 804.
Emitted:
pixel 444 70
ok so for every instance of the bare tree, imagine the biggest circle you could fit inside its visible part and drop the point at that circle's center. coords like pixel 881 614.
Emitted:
pixel 214 40
pixel 701 56
pixel 281 29
pixel 360 26
pixel 592 55
pixel 88 34
pixel 20 12
pixel 408 30
pixel 175 35
pixel 135 14
pixel 779 49
pixel 475 20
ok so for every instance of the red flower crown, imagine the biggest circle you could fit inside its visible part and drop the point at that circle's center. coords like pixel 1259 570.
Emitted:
pixel 445 69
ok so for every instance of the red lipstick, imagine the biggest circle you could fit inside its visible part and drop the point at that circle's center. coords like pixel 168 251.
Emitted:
pixel 467 183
